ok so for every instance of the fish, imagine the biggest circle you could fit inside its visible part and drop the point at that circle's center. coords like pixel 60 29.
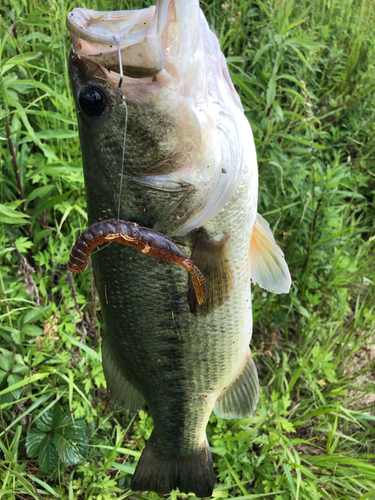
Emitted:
pixel 166 145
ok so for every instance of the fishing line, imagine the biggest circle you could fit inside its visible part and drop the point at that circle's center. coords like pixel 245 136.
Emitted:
pixel 102 247
pixel 123 100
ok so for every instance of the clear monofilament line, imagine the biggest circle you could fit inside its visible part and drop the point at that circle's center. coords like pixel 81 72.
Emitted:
pixel 123 100
pixel 123 157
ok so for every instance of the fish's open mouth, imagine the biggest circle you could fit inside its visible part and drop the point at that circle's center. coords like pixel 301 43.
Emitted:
pixel 160 39
pixel 95 36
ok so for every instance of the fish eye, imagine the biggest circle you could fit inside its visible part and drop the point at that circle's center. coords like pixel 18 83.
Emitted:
pixel 92 101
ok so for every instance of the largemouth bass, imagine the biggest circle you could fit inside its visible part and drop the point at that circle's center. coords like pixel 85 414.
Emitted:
pixel 190 173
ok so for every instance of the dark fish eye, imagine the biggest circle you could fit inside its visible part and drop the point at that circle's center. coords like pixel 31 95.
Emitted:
pixel 92 101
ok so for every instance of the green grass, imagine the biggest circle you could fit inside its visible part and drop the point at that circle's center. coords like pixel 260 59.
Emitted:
pixel 306 74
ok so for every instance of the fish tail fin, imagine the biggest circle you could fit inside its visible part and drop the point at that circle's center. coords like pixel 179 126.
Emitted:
pixel 159 472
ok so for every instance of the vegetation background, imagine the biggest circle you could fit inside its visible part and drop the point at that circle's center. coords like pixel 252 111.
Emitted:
pixel 305 72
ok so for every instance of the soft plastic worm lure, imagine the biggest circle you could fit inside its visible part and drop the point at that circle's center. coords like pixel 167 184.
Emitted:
pixel 142 238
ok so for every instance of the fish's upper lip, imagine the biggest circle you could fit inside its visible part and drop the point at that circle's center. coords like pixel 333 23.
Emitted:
pixel 97 35
pixel 78 22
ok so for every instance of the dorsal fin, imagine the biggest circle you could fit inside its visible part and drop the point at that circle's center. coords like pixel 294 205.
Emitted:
pixel 268 266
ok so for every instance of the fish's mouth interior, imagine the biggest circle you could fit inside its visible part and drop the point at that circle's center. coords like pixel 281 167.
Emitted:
pixel 95 36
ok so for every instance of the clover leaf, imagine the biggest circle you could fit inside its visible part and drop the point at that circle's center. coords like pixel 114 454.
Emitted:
pixel 57 438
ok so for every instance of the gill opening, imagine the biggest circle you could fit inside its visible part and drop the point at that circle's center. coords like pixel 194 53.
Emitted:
pixel 123 101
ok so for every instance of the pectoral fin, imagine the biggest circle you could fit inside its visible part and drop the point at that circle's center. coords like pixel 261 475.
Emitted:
pixel 214 265
pixel 240 399
pixel 121 391
pixel 268 266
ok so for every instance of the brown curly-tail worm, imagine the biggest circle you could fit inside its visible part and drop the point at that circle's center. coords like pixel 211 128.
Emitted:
pixel 142 238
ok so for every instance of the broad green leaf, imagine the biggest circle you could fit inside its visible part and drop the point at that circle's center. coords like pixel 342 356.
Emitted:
pixel 10 212
pixel 36 404
pixel 2 375
pixel 13 381
pixel 9 215
pixel 35 314
pixel 48 457
pixel 21 369
pixel 17 337
pixel 6 363
pixel 40 192
pixel 44 423
pixel 58 418
pixel 5 328
pixel 13 220
pixel 71 441
pixel 14 204
pixel 35 440
pixel 58 436
pixel 32 330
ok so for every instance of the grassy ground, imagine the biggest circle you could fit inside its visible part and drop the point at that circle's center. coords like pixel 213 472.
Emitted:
pixel 306 74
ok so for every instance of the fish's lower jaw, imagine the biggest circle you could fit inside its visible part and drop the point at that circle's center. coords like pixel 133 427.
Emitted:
pixel 162 472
